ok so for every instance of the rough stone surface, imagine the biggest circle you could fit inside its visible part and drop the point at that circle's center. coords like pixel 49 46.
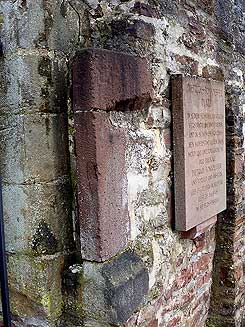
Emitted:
pixel 36 288
pixel 110 292
pixel 102 185
pixel 35 155
pixel 109 80
pixel 47 204
pixel 20 133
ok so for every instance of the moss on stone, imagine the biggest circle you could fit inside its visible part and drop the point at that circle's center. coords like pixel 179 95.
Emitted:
pixel 44 241
pixel 209 324
pixel 1 19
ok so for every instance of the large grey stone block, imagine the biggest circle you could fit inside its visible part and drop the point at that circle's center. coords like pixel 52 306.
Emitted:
pixel 40 145
pixel 37 218
pixel 33 83
pixel 35 24
pixel 108 293
pixel 35 290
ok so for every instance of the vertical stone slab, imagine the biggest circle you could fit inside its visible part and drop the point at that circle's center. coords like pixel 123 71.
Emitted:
pixel 199 150
pixel 103 81
pixel 102 186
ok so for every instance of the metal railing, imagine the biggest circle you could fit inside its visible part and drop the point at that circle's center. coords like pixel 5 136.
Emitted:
pixel 3 269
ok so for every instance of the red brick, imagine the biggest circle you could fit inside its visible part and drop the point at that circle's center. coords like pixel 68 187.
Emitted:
pixel 203 262
pixel 179 262
pixel 184 278
pixel 109 80
pixel 168 294
pixel 239 271
pixel 102 186
pixel 197 319
pixel 213 72
pixel 204 298
pixel 173 322
pixel 203 280
pixel 153 323
pixel 200 242
pixel 235 166
pixel 188 297
pixel 167 138
pixel 132 321
pixel 207 278
pixel 190 66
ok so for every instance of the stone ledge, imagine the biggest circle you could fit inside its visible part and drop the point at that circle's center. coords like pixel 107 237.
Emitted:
pixel 199 229
pixel 109 80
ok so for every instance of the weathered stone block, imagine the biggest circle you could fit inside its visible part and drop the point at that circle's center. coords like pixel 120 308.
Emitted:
pixel 27 21
pixel 40 145
pixel 36 218
pixel 127 280
pixel 138 29
pixel 111 292
pixel 47 158
pixel 35 287
pixel 34 25
pixel 102 186
pixel 33 83
pixel 109 80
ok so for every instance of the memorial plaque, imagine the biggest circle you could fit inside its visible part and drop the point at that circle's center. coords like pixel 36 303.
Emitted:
pixel 199 150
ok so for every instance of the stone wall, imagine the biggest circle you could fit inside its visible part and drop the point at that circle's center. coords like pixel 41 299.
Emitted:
pixel 34 154
pixel 156 276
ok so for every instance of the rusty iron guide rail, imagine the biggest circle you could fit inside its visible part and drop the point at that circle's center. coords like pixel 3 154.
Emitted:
pixel 3 269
